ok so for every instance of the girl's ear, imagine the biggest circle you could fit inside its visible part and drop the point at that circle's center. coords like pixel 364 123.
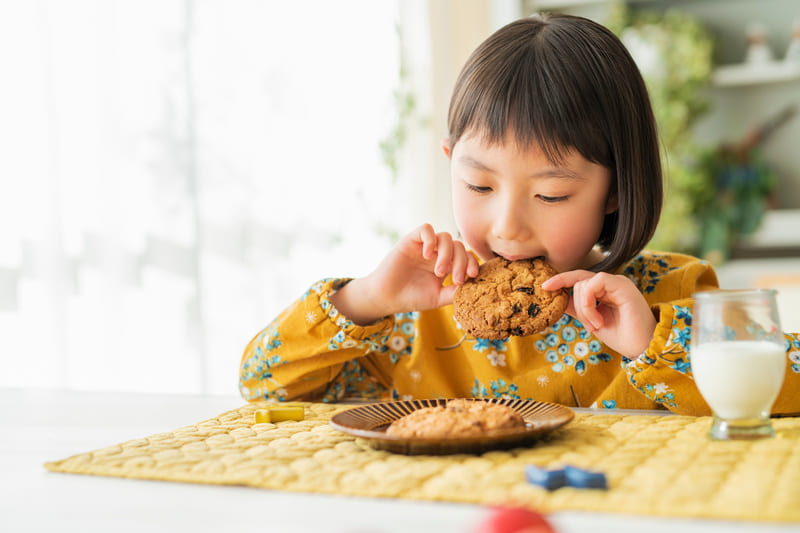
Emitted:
pixel 446 147
pixel 612 202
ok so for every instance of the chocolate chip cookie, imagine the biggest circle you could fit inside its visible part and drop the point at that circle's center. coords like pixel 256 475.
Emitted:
pixel 458 418
pixel 506 298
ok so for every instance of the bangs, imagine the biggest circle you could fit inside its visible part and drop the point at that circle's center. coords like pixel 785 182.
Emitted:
pixel 514 83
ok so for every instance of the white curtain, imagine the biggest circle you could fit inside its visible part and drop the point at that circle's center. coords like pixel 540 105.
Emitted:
pixel 174 172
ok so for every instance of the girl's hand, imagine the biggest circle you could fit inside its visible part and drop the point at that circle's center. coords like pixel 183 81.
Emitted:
pixel 609 306
pixel 409 278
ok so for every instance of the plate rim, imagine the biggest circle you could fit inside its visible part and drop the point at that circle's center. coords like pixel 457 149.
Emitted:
pixel 497 435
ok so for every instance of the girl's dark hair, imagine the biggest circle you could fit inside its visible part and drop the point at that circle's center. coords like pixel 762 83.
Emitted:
pixel 565 82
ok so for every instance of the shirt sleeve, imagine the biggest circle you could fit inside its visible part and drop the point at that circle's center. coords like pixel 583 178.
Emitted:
pixel 663 372
pixel 308 346
pixel 788 401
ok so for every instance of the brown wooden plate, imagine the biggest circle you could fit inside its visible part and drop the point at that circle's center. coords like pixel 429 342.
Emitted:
pixel 370 422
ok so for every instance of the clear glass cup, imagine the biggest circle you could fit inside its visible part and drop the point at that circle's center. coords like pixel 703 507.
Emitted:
pixel 738 360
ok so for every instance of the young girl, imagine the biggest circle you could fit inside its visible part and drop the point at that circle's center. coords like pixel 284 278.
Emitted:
pixel 554 153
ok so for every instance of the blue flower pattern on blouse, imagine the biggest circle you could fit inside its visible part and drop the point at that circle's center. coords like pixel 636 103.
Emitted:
pixel 566 347
pixel 646 273
pixel 400 341
pixel 486 344
pixel 563 347
pixel 259 365
pixel 793 352
pixel 353 380
pixel 675 356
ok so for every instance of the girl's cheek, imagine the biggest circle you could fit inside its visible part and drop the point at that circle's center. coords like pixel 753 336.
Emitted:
pixel 472 238
pixel 463 219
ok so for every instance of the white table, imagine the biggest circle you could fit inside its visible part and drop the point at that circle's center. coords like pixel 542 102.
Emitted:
pixel 43 425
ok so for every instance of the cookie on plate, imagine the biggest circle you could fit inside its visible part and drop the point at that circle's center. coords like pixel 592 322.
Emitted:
pixel 506 298
pixel 458 418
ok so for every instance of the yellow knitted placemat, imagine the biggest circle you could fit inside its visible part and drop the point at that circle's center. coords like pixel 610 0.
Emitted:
pixel 655 465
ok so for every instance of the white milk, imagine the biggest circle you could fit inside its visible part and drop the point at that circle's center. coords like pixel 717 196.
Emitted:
pixel 739 379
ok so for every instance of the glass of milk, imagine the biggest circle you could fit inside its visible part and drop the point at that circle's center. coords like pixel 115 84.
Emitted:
pixel 738 359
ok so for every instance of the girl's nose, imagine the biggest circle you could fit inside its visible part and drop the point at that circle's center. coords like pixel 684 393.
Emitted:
pixel 512 222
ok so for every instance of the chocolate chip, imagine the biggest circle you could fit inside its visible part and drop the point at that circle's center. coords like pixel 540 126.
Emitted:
pixel 533 310
pixel 515 309
pixel 526 290
pixel 516 331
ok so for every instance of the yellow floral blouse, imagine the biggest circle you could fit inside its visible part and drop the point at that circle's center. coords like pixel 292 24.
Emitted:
pixel 312 352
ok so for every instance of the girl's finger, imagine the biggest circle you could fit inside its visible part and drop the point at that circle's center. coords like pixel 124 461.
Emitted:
pixel 427 236
pixel 575 308
pixel 446 295
pixel 459 263
pixel 472 267
pixel 566 279
pixel 586 295
pixel 444 254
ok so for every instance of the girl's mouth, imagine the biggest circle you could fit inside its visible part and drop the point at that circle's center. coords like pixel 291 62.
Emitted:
pixel 517 257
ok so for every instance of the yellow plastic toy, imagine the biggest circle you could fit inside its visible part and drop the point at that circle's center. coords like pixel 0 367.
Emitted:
pixel 280 413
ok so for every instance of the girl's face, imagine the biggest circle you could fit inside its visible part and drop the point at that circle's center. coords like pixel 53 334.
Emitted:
pixel 517 204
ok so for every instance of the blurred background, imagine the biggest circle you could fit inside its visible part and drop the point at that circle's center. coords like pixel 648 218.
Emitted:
pixel 173 173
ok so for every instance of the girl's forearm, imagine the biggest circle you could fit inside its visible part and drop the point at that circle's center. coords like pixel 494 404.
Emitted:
pixel 357 302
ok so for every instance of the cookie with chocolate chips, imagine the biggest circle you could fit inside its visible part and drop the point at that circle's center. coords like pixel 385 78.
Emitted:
pixel 506 298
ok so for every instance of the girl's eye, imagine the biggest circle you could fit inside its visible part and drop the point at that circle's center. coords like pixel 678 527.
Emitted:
pixel 477 189
pixel 551 199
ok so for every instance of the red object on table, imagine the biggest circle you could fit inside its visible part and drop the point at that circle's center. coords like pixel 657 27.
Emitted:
pixel 515 520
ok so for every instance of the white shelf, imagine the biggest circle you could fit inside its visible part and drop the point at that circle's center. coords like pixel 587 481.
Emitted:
pixel 754 74
pixel 779 227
